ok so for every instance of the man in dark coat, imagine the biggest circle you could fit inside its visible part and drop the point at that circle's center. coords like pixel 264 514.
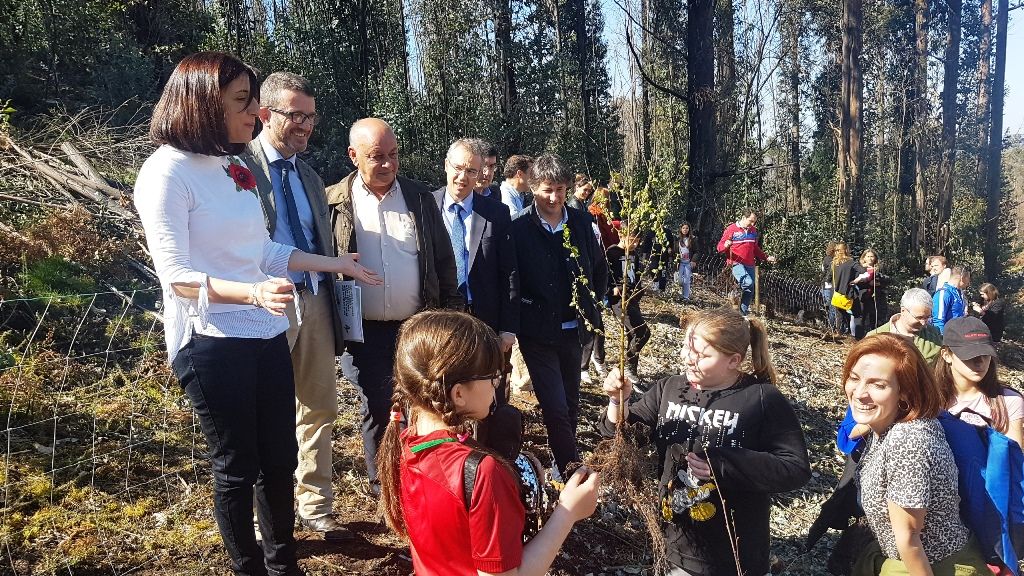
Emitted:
pixel 562 273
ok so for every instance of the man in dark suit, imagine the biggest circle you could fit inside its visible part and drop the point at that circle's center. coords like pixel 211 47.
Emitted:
pixel 395 226
pixel 484 252
pixel 557 306
pixel 488 168
pixel 478 227
pixel 295 211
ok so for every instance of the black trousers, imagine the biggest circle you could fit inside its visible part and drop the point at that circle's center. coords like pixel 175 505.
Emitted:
pixel 555 371
pixel 373 361
pixel 594 346
pixel 637 331
pixel 871 313
pixel 243 392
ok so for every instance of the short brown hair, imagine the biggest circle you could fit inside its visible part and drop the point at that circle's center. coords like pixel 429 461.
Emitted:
pixel 515 163
pixel 190 114
pixel 278 82
pixel 917 386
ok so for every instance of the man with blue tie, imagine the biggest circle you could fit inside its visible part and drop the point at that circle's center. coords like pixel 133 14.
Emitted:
pixel 295 210
pixel 484 254
pixel 486 270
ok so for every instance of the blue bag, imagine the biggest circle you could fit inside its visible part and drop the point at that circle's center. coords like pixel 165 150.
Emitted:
pixel 991 470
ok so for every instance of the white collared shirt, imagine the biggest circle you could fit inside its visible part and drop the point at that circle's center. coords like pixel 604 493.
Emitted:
pixel 387 241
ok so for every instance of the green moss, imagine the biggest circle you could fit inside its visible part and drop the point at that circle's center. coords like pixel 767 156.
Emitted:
pixel 54 276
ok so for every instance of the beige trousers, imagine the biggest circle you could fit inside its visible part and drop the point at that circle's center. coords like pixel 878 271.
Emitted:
pixel 316 400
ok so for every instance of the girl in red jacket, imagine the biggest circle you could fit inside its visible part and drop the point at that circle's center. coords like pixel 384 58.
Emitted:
pixel 447 365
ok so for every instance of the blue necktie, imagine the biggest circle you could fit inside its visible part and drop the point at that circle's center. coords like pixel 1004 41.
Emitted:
pixel 458 233
pixel 284 166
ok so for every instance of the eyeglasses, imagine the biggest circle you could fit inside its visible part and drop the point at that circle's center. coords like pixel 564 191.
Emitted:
pixel 495 380
pixel 922 319
pixel 298 117
pixel 471 172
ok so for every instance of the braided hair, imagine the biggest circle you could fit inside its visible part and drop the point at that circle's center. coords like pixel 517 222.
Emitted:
pixel 435 350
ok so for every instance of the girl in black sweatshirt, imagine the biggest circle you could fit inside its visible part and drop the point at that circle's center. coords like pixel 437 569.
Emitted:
pixel 720 433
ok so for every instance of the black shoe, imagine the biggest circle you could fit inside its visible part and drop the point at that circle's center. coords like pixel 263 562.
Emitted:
pixel 331 529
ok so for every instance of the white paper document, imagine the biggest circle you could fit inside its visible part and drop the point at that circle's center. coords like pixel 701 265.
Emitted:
pixel 349 301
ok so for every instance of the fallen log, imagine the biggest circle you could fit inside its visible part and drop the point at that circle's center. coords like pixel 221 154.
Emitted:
pixel 76 184
pixel 33 202
pixel 82 163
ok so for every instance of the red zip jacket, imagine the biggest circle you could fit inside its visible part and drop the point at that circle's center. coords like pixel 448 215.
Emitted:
pixel 744 248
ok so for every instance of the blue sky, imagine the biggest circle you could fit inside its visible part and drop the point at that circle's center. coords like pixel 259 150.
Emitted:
pixel 1013 117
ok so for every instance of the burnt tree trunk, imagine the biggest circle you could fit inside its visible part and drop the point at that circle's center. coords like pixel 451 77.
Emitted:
pixel 728 139
pixel 509 97
pixel 851 127
pixel 994 178
pixel 919 233
pixel 792 73
pixel 950 80
pixel 984 88
pixel 700 108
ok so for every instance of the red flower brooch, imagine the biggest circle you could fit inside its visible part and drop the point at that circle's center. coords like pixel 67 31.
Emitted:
pixel 242 176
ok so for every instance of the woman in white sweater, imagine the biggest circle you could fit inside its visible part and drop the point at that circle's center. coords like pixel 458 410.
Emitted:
pixel 225 290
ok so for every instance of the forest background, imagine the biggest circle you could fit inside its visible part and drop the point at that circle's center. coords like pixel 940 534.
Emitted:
pixel 878 122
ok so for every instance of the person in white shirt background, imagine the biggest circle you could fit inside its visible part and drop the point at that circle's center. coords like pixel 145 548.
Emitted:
pixel 514 188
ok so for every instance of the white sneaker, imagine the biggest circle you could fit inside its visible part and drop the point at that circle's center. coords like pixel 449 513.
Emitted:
pixel 585 377
pixel 602 372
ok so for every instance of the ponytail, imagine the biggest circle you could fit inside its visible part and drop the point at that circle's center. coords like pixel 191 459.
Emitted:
pixel 760 357
pixel 389 461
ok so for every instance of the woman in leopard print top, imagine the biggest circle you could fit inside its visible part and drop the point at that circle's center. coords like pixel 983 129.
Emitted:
pixel 907 476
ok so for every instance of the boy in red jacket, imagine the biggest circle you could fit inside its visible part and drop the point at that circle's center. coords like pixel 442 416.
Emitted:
pixel 740 240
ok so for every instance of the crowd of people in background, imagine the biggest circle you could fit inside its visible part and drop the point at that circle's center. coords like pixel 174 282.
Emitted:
pixel 461 287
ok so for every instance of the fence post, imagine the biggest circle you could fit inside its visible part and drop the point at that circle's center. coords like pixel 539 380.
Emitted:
pixel 757 289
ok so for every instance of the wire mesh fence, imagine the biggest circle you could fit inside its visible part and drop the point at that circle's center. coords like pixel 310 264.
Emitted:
pixel 101 449
pixel 777 291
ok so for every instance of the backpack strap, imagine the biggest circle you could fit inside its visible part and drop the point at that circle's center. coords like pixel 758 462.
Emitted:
pixel 469 470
